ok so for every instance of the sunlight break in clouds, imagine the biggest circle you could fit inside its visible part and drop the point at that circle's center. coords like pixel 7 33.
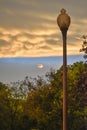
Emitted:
pixel 40 66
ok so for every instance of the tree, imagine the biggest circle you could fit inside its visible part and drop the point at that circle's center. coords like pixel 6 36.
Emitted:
pixel 38 105
pixel 10 109
pixel 84 46
pixel 76 95
pixel 4 110
pixel 45 103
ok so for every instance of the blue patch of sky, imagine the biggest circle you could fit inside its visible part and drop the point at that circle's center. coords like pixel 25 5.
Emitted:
pixel 14 69
pixel 44 60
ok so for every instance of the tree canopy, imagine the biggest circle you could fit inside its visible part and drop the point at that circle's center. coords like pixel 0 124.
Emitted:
pixel 37 104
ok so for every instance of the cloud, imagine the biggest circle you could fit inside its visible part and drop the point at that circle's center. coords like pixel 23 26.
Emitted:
pixel 29 28
pixel 27 43
pixel 40 66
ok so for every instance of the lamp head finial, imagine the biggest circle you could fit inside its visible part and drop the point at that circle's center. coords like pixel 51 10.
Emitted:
pixel 63 11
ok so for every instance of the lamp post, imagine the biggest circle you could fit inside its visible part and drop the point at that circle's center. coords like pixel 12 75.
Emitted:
pixel 63 21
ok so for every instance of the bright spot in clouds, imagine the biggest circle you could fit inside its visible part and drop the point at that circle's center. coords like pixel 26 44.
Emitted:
pixel 40 66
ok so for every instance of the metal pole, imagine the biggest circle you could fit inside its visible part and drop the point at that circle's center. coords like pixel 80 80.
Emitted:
pixel 64 35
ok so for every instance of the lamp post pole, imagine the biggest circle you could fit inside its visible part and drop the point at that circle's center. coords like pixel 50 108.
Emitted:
pixel 64 34
pixel 63 21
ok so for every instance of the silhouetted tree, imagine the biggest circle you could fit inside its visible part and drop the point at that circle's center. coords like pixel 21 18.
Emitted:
pixel 84 46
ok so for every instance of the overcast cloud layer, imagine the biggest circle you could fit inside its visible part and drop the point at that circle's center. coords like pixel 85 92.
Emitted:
pixel 28 28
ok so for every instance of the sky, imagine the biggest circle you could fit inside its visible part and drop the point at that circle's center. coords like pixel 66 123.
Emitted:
pixel 28 28
pixel 14 69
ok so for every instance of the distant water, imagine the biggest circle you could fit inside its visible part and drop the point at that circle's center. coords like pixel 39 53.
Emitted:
pixel 14 69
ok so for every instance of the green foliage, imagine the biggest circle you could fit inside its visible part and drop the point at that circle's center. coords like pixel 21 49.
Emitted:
pixel 37 105
pixel 3 86
pixel 42 106
pixel 76 95
pixel 10 109
pixel 84 46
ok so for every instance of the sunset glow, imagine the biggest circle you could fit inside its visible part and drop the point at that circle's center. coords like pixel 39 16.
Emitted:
pixel 29 29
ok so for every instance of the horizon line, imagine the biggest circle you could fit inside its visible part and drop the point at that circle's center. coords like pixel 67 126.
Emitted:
pixel 41 56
